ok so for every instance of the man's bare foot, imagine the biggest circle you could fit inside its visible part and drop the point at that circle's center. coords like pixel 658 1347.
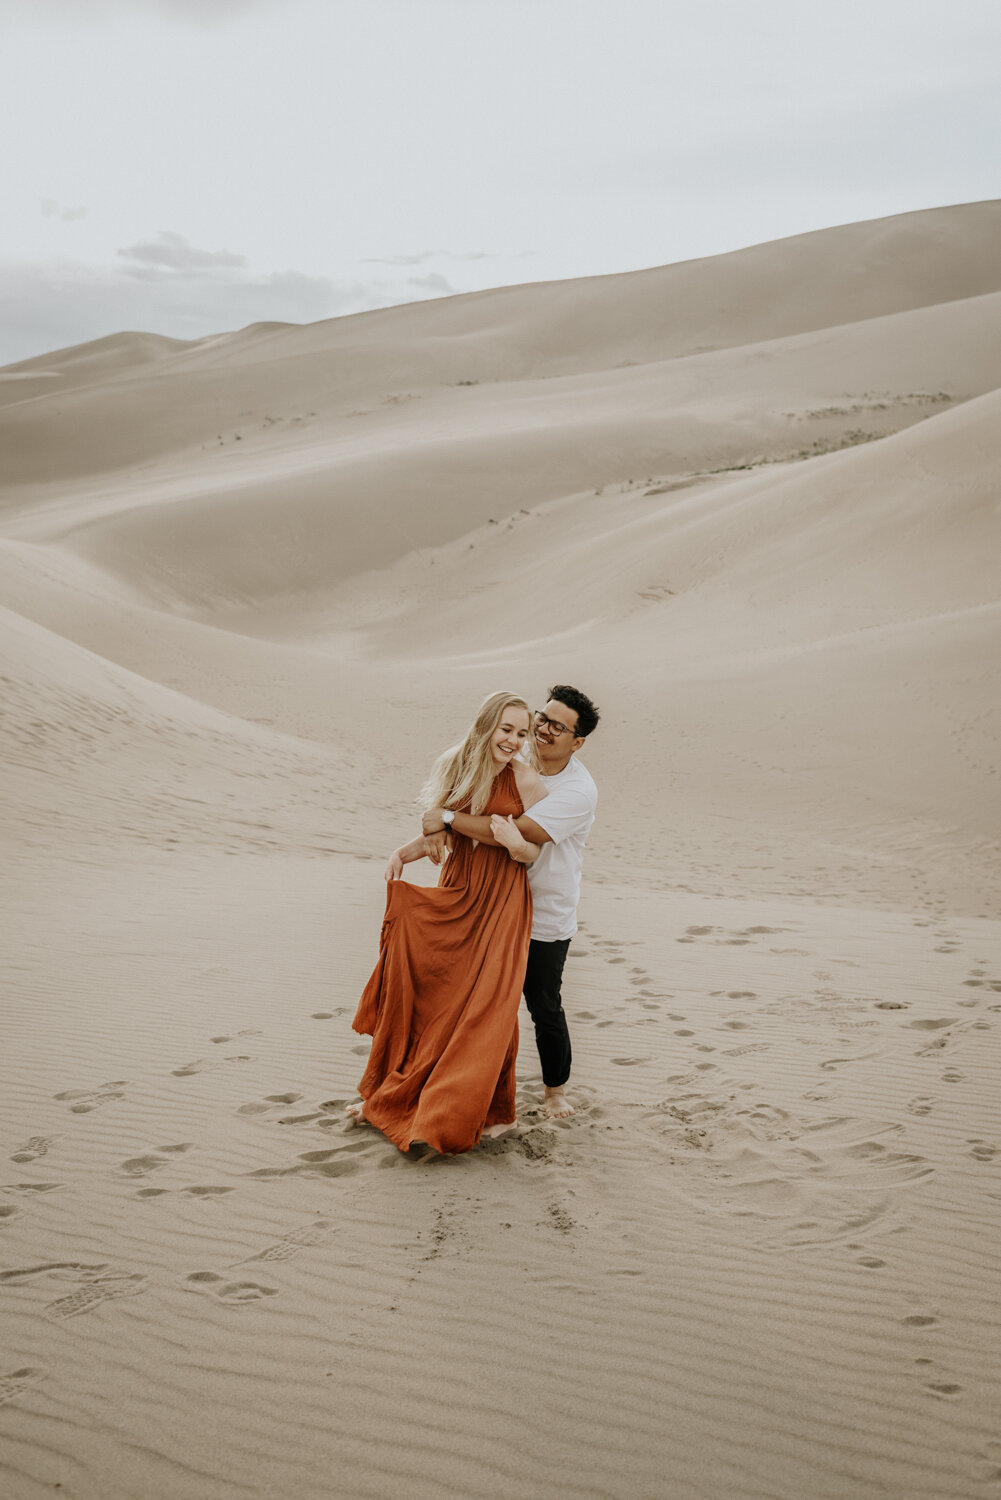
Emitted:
pixel 493 1131
pixel 556 1105
pixel 356 1113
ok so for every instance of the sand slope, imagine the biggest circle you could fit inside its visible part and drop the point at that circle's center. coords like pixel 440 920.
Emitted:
pixel 248 586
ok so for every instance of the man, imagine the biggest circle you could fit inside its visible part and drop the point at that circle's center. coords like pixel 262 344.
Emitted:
pixel 560 824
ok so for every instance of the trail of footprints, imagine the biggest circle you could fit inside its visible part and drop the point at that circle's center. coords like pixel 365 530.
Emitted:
pixel 686 1123
pixel 855 1165
pixel 234 1292
pixel 99 1283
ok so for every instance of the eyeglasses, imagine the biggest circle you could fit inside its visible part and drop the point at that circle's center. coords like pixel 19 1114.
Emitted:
pixel 553 725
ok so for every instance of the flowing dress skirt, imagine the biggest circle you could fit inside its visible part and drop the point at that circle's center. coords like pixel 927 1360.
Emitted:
pixel 442 1003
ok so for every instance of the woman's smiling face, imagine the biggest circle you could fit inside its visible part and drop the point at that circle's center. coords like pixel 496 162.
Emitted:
pixel 509 736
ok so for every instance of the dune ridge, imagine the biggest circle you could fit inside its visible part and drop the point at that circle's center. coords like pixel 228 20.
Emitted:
pixel 249 585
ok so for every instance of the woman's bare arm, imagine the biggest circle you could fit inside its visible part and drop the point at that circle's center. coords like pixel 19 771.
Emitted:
pixel 404 856
pixel 531 787
pixel 506 832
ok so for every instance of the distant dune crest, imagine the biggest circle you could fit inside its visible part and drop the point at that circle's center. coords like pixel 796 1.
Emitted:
pixel 761 480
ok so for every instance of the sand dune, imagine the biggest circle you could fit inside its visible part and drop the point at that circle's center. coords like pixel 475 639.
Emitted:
pixel 248 586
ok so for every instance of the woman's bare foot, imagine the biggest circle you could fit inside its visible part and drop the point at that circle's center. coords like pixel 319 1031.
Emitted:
pixel 556 1105
pixel 356 1113
pixel 493 1131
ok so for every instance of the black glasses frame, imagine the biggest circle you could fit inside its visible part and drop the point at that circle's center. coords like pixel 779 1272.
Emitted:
pixel 556 728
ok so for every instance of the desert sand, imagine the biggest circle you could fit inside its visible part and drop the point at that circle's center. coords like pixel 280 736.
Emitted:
pixel 250 585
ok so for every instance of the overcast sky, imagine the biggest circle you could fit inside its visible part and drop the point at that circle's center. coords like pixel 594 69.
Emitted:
pixel 187 166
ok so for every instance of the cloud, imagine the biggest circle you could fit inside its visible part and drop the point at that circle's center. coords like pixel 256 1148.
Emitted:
pixel 206 11
pixel 171 253
pixel 423 255
pixel 434 283
pixel 53 210
pixel 43 308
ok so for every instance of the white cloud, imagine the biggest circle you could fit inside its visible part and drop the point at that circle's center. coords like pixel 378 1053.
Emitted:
pixel 171 252
pixel 433 283
pixel 53 210
pixel 54 306
pixel 96 10
pixel 423 255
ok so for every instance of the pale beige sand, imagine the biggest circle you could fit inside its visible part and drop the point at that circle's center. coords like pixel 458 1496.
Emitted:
pixel 761 1261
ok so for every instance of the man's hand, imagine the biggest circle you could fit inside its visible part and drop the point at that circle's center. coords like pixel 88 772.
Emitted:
pixel 432 822
pixel 436 847
pixel 394 870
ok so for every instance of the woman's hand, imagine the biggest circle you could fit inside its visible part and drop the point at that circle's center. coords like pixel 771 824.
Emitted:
pixel 394 870
pixel 437 847
pixel 507 834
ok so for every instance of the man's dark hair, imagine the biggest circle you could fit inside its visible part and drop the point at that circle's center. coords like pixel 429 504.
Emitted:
pixel 587 714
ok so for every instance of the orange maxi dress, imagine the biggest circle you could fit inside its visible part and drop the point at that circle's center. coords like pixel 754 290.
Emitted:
pixel 441 1006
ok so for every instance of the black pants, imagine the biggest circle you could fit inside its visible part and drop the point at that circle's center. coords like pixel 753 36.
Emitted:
pixel 545 1005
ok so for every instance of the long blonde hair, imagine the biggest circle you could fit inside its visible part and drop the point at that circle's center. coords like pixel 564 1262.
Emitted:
pixel 463 775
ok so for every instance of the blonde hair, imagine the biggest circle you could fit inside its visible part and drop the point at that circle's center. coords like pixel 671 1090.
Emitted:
pixel 464 774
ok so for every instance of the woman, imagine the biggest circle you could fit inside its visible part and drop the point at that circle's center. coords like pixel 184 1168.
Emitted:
pixel 442 1004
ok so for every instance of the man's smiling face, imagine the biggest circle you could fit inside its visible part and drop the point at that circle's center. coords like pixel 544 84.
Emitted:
pixel 556 733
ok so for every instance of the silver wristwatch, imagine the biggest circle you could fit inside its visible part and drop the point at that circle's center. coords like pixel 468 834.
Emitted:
pixel 448 817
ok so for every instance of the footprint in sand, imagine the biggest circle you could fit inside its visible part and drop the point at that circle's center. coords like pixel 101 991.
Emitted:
pixel 103 1289
pixel 339 1161
pixel 982 1151
pixel 952 1075
pixel 267 1104
pixel 322 1015
pixel 989 1462
pixel 34 1147
pixel 748 1047
pixel 188 1192
pixel 60 1270
pixel 233 1293
pixel 558 1219
pixel 891 1004
pixel 141 1166
pixel 903 1166
pixel 290 1244
pixel 219 1039
pixel 82 1101
pixel 203 1064
pixel 919 1320
pixel 238 1292
pixel 16 1382
pixel 921 1104
pixel 629 1062
pixel 10 1211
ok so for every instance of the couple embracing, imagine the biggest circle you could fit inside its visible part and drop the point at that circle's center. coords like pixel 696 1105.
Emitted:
pixel 507 814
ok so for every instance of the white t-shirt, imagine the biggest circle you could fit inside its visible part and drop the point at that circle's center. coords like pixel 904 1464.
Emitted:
pixel 566 813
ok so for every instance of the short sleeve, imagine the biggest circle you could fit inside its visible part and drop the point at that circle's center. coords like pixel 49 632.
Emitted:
pixel 564 811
